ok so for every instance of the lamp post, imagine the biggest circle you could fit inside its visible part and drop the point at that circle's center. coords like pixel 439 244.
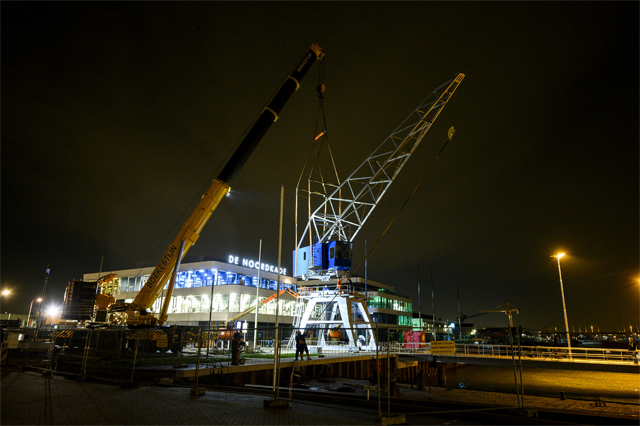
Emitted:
pixel 6 293
pixel 564 306
pixel 30 307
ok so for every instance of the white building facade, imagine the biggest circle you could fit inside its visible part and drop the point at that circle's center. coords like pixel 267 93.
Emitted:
pixel 217 291
pixel 214 291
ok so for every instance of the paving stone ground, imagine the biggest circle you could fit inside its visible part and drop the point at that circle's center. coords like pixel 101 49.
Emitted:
pixel 30 399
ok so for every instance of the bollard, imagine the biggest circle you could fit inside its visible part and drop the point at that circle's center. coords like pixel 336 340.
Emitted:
pixel 442 374
pixel 235 349
pixel 563 396
pixel 421 384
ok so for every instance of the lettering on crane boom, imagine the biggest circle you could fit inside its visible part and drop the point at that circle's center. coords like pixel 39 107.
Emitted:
pixel 304 62
pixel 443 347
pixel 161 266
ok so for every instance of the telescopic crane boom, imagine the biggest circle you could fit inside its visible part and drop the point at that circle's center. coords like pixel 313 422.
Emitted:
pixel 136 313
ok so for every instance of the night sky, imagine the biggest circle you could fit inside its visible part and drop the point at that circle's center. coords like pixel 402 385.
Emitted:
pixel 116 116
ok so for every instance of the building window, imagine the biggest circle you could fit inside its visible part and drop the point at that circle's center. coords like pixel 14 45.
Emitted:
pixel 205 303
pixel 262 309
pixel 195 304
pixel 234 302
pixel 245 302
pixel 220 302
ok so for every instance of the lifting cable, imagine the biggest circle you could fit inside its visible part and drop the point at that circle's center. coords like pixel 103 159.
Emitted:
pixel 320 89
pixel 319 137
pixel 450 135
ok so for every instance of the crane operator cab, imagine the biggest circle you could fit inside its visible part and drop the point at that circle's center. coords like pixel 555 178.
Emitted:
pixel 323 260
pixel 339 255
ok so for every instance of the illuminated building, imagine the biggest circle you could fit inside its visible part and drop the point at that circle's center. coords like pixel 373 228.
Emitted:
pixel 234 290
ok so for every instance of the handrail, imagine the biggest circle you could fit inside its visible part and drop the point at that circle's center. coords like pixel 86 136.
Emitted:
pixel 536 353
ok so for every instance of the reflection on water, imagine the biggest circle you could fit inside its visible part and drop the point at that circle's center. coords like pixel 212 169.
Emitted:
pixel 623 387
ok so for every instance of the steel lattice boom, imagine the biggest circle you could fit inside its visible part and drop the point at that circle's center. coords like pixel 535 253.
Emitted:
pixel 352 201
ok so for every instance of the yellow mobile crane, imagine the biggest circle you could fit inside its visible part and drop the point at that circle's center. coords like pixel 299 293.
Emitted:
pixel 135 313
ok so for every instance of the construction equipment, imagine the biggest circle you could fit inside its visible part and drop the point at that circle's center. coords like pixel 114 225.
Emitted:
pixel 231 322
pixel 464 317
pixel 337 316
pixel 335 335
pixel 136 313
pixel 85 302
pixel 325 247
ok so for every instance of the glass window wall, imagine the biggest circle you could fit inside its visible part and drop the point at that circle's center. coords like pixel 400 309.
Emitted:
pixel 220 302
pixel 396 305
pixel 234 302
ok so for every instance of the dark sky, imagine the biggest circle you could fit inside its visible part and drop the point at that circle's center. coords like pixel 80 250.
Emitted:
pixel 115 116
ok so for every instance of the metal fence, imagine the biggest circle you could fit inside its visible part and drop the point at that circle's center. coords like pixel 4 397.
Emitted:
pixel 541 353
pixel 207 357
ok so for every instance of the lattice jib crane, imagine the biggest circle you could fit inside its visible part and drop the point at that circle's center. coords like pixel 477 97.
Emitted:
pixel 324 249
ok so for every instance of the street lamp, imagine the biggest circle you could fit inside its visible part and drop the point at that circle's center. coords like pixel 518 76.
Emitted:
pixel 564 306
pixel 6 293
pixel 31 306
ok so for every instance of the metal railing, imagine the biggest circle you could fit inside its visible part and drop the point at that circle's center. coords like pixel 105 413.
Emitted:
pixel 138 355
pixel 540 353
pixel 128 356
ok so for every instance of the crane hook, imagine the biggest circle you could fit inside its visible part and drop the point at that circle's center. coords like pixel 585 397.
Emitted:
pixel 451 132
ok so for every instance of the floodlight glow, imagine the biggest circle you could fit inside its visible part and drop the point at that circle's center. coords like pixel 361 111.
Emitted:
pixel 53 310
